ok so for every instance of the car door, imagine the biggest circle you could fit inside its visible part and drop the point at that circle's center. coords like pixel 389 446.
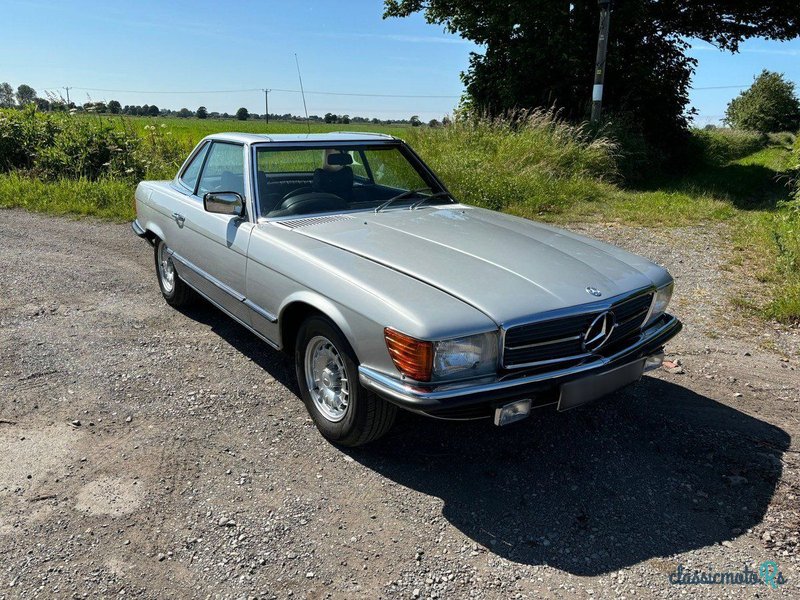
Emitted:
pixel 215 246
pixel 171 202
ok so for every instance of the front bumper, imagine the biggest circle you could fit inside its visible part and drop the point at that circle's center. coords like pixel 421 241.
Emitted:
pixel 467 399
pixel 138 229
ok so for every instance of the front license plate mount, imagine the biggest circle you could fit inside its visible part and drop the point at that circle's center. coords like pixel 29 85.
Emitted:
pixel 586 389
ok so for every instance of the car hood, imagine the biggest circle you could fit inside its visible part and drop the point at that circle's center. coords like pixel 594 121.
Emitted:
pixel 507 267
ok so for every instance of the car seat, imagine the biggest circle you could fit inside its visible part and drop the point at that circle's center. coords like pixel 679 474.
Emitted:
pixel 334 179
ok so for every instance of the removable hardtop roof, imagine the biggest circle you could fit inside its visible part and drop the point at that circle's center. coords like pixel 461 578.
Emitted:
pixel 333 136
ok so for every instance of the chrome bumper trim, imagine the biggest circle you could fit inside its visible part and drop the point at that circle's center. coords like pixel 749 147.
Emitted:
pixel 138 229
pixel 409 394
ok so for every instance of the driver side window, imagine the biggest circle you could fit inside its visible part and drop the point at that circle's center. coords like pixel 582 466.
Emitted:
pixel 224 170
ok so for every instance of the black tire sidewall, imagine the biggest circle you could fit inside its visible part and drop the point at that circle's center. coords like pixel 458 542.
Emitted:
pixel 323 326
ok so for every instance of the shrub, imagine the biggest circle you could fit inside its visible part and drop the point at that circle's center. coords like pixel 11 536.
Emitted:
pixel 56 146
pixel 22 134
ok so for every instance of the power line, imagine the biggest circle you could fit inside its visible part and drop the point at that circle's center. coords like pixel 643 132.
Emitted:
pixel 320 93
pixel 722 87
pixel 315 92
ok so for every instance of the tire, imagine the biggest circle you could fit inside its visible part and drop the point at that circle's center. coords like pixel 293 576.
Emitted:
pixel 174 290
pixel 364 417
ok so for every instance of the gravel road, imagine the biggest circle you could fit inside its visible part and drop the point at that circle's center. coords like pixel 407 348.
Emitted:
pixel 152 453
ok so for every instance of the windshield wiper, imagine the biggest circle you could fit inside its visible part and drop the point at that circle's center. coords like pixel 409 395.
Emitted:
pixel 419 203
pixel 406 194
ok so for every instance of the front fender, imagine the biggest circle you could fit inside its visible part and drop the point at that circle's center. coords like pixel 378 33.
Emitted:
pixel 326 307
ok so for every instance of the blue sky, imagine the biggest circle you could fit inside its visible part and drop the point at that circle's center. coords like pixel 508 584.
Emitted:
pixel 346 47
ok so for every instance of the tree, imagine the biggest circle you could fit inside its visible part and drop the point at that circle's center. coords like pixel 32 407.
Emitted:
pixel 433 123
pixel 184 113
pixel 242 114
pixel 152 110
pixel 542 54
pixel 6 95
pixel 114 107
pixel 769 105
pixel 344 119
pixel 330 118
pixel 25 95
pixel 202 113
pixel 415 122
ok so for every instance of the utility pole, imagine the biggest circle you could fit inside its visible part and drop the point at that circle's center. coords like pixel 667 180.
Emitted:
pixel 266 105
pixel 67 88
pixel 600 65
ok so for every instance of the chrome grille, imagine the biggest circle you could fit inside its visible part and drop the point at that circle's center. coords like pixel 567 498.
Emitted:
pixel 560 339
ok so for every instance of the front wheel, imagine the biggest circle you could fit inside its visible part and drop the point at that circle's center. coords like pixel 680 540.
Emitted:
pixel 327 373
pixel 174 290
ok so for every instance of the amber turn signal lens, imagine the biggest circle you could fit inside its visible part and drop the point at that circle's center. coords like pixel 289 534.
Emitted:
pixel 412 357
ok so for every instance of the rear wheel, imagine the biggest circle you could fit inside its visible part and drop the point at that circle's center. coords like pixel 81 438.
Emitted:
pixel 327 373
pixel 174 290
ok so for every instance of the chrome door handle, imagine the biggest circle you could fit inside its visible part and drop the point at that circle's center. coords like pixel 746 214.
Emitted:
pixel 179 218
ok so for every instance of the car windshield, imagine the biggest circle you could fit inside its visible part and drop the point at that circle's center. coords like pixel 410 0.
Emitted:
pixel 318 179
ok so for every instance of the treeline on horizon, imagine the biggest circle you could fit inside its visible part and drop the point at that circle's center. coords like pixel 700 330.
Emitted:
pixel 26 95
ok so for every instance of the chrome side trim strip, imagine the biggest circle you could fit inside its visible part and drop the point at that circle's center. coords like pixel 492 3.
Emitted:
pixel 260 311
pixel 225 288
pixel 207 276
pixel 392 388
pixel 235 318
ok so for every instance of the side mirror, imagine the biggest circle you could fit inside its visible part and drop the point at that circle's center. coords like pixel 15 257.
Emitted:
pixel 224 203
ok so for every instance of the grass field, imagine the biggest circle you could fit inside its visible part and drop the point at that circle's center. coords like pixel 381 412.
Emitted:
pixel 192 130
pixel 541 168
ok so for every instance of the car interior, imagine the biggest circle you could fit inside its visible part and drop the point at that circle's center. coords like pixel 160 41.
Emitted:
pixel 332 186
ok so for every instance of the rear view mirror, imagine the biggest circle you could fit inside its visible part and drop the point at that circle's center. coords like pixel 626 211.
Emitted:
pixel 224 203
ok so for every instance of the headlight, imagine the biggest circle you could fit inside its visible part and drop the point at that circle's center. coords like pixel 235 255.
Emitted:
pixel 660 302
pixel 465 357
pixel 468 356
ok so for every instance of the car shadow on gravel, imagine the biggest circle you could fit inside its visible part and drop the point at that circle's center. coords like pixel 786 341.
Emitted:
pixel 652 471
pixel 275 363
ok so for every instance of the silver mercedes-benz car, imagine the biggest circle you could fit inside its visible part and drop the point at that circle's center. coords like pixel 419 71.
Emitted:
pixel 347 251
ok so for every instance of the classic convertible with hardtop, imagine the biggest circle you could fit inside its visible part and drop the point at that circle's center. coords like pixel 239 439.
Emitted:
pixel 346 251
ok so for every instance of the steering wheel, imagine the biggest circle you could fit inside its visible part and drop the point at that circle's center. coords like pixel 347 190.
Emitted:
pixel 312 202
pixel 296 192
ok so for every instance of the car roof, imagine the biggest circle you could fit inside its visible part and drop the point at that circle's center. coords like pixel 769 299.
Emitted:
pixel 333 136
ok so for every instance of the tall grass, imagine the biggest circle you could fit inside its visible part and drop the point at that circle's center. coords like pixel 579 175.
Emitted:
pixel 533 159
pixel 106 198
pixel 718 147
pixel 785 234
